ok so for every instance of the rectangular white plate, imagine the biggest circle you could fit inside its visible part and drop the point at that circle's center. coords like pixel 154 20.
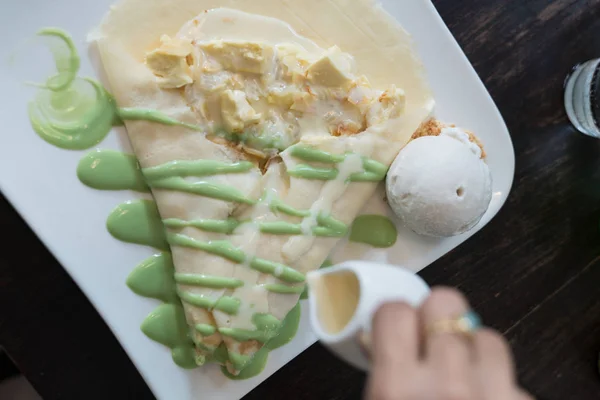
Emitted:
pixel 40 181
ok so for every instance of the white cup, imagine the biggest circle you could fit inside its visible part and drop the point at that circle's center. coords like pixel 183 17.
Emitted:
pixel 343 299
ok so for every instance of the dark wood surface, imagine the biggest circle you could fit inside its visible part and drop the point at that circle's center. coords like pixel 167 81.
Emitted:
pixel 533 272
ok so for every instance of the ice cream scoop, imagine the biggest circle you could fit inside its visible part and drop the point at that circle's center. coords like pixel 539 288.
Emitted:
pixel 439 185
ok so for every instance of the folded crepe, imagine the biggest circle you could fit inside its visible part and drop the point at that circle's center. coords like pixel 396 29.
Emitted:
pixel 260 147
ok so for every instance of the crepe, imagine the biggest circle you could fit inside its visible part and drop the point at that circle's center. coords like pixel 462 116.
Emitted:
pixel 257 183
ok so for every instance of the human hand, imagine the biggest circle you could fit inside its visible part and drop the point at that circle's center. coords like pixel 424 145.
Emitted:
pixel 411 360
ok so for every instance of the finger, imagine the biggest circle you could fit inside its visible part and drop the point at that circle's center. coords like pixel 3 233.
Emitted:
pixel 380 387
pixel 448 354
pixel 493 365
pixel 394 344
pixel 395 337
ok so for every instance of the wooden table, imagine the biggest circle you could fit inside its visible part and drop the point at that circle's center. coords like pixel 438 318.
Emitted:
pixel 533 272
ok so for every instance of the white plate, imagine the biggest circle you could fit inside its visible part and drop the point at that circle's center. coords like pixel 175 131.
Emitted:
pixel 40 181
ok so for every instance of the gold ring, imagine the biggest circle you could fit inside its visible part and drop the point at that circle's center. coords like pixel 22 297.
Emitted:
pixel 464 324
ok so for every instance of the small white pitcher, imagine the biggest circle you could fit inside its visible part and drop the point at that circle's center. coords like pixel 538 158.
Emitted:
pixel 343 299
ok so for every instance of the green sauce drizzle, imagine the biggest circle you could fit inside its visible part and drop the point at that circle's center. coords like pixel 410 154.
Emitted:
pixel 111 170
pixel 226 250
pixel 220 354
pixel 324 220
pixel 221 248
pixel 142 114
pixel 278 205
pixel 210 225
pixel 153 278
pixel 69 112
pixel 326 174
pixel 215 282
pixel 239 361
pixel 375 230
pixel 287 228
pixel 74 118
pixel 195 168
pixel 66 58
pixel 251 368
pixel 308 153
pixel 167 326
pixel 289 327
pixel 252 139
pixel 331 228
pixel 227 304
pixel 267 327
pixel 202 188
pixel 138 222
pixel 280 271
pixel 205 329
pixel 283 289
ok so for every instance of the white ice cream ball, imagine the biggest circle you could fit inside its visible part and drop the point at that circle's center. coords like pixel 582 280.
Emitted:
pixel 439 186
